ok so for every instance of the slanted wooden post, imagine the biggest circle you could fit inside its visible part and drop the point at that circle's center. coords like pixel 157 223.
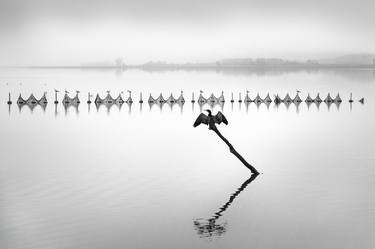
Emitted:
pixel 233 151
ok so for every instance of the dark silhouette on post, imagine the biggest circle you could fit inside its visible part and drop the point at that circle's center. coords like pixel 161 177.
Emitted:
pixel 219 118
pixel 208 227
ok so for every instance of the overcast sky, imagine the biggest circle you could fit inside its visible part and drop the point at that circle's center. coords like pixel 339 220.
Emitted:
pixel 52 32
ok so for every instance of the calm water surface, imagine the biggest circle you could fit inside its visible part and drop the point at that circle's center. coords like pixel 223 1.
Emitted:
pixel 145 178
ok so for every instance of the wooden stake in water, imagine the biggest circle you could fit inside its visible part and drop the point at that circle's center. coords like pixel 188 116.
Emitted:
pixel 9 100
pixel 351 98
pixel 88 98
pixel 56 101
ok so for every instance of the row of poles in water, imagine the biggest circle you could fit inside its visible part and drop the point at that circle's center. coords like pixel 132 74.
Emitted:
pixel 212 99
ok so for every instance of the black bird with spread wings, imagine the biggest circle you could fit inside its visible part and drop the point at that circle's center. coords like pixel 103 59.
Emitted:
pixel 219 118
pixel 210 119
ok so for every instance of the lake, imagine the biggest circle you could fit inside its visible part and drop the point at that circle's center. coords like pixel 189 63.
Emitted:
pixel 142 177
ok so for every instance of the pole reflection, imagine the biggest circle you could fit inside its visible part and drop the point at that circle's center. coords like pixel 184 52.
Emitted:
pixel 210 227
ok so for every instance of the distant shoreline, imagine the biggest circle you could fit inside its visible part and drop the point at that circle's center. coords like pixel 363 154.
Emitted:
pixel 206 67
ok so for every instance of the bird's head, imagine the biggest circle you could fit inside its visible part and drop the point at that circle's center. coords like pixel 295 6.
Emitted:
pixel 209 112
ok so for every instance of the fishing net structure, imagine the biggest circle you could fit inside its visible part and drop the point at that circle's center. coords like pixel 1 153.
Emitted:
pixel 247 98
pixel 297 99
pixel 212 101
pixel 309 99
pixel 337 99
pixel 287 99
pixel 108 101
pixel 32 102
pixel 258 99
pixel 318 99
pixel 67 100
pixel 328 99
pixel 267 99
pixel 171 100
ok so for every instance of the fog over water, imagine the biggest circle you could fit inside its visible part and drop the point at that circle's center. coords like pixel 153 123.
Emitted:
pixel 65 32
pixel 148 179
pixel 138 176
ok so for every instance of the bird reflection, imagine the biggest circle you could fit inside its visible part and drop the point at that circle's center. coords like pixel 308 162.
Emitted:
pixel 210 227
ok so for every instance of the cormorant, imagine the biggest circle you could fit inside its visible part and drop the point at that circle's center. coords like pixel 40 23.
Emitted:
pixel 219 118
pixel 210 120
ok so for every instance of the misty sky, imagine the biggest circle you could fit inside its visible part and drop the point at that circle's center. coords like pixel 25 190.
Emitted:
pixel 52 32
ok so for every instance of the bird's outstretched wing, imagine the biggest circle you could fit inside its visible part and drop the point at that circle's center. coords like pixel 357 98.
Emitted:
pixel 202 118
pixel 220 118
